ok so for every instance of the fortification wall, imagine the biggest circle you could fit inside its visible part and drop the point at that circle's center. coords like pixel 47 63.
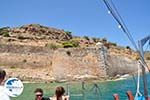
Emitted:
pixel 63 63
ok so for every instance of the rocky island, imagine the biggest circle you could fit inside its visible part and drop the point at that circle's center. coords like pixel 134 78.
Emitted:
pixel 38 53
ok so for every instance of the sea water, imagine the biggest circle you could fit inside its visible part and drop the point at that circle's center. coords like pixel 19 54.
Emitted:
pixel 77 91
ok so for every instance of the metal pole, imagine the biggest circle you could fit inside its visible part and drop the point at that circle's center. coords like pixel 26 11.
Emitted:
pixel 143 71
pixel 145 83
pixel 83 90
pixel 68 89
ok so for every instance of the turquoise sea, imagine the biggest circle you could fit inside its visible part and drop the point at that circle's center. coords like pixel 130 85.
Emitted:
pixel 104 90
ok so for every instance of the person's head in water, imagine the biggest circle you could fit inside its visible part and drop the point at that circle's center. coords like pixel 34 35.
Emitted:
pixel 38 94
pixel 59 92
pixel 2 75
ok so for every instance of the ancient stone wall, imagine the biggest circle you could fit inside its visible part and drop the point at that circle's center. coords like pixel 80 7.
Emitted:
pixel 64 63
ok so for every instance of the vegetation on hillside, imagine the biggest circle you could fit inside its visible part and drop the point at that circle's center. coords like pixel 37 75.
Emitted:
pixel 38 35
pixel 4 31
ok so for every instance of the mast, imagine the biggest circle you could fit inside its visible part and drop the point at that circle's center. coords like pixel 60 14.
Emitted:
pixel 141 43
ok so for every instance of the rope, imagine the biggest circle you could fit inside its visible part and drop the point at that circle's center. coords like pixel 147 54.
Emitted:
pixel 114 12
pixel 112 9
pixel 124 26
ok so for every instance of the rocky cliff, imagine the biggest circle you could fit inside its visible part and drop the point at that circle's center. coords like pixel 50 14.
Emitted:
pixel 24 53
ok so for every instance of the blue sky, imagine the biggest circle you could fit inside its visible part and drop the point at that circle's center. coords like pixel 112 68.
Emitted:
pixel 81 17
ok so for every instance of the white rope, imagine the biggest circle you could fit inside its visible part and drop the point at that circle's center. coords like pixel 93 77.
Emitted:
pixel 138 82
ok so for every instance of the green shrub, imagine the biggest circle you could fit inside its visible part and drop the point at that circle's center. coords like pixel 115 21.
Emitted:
pixel 86 37
pixel 75 43
pixel 71 43
pixel 68 32
pixel 114 44
pixel 4 28
pixel 128 47
pixel 95 39
pixel 6 34
pixel 52 46
pixel 104 40
pixel 67 44
pixel 12 67
pixel 4 31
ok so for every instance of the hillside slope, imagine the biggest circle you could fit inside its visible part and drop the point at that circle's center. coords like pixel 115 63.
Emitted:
pixel 38 53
